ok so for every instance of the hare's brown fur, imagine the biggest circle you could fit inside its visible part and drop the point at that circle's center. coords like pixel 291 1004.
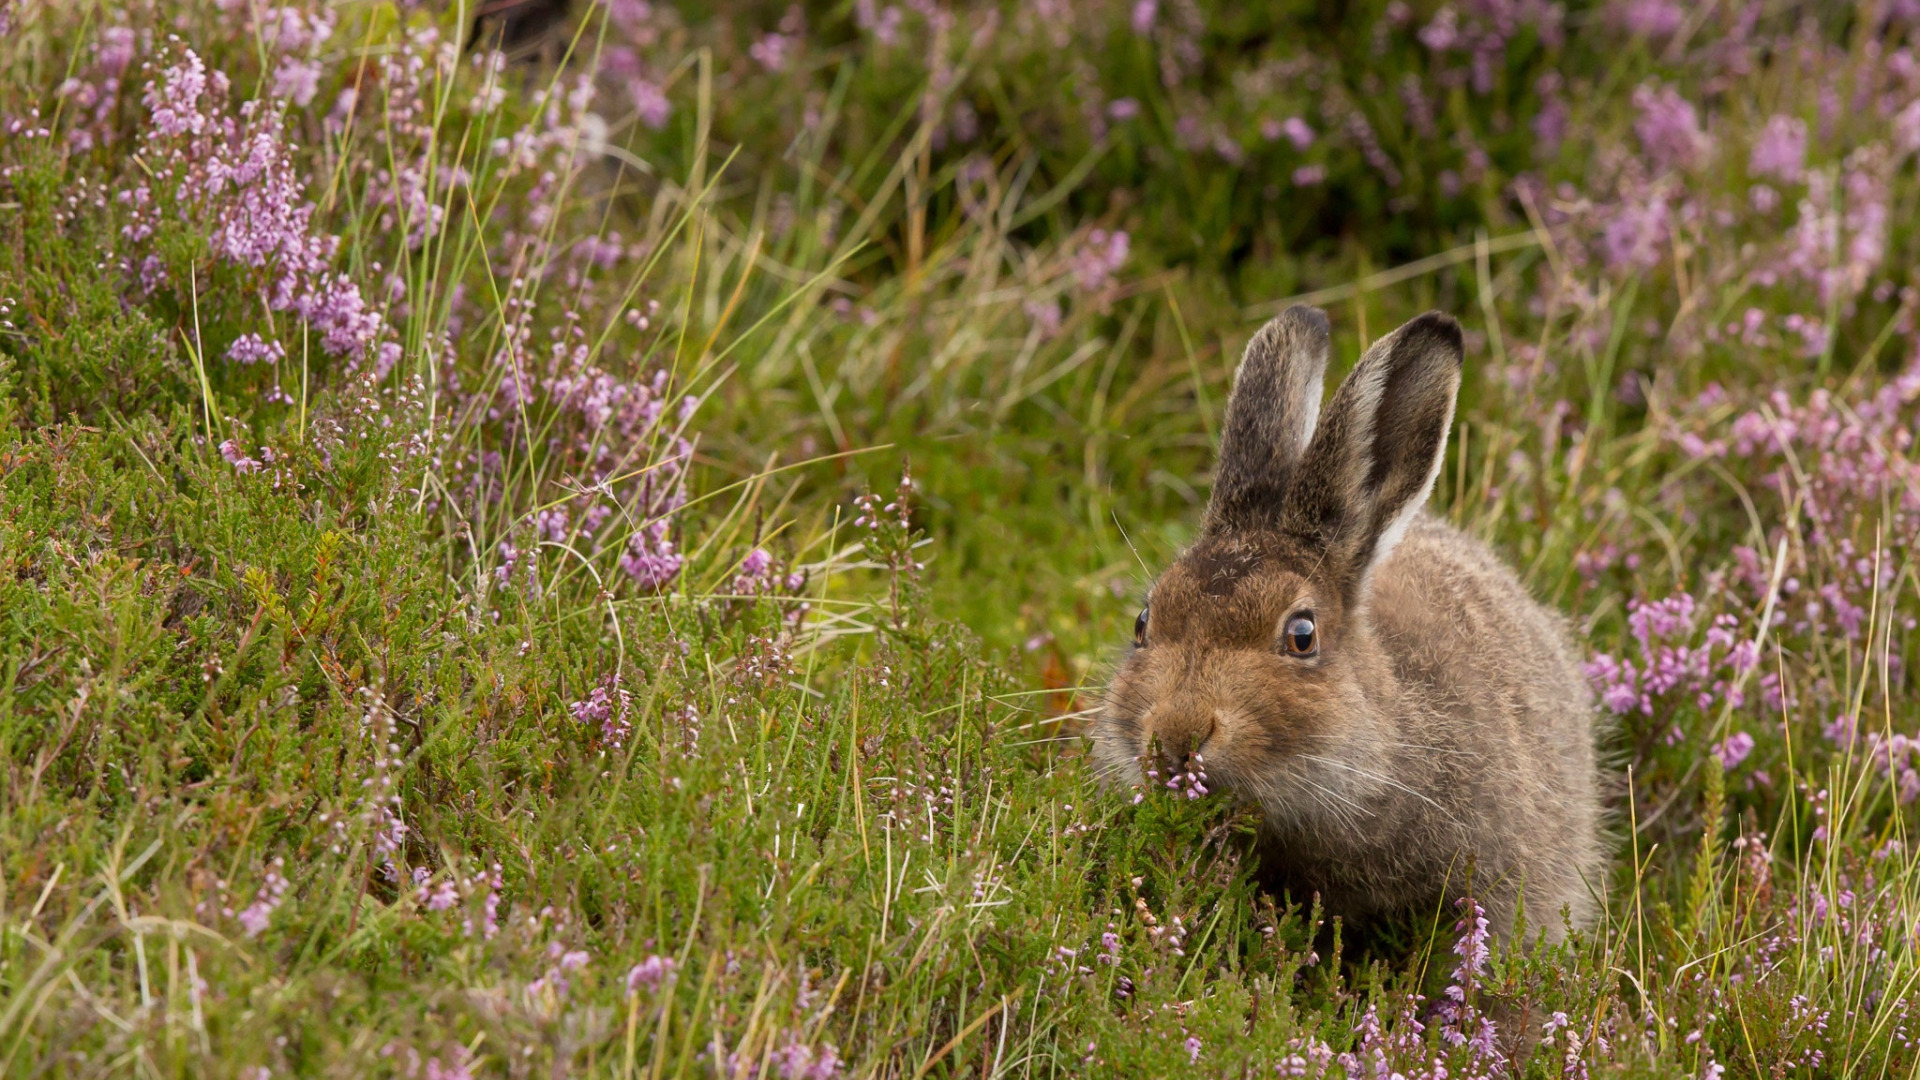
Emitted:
pixel 1440 738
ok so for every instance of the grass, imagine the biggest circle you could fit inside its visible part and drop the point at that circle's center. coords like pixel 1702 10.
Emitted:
pixel 580 686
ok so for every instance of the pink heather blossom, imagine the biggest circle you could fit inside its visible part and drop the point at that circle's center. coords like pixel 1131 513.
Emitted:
pixel 1045 315
pixel 1670 663
pixel 1440 34
pixel 1298 132
pixel 651 560
pixel 94 92
pixel 1636 234
pixel 237 457
pixel 1308 175
pixel 882 23
pixel 605 407
pixel 1377 158
pixel 1618 683
pixel 235 176
pixel 252 349
pixel 552 524
pixel 772 50
pixel 1144 14
pixel 1781 150
pixel 115 50
pixel 1734 749
pixel 296 80
pixel 290 30
pixel 631 16
pixel 756 574
pixel 1906 129
pixel 649 102
pixel 1839 240
pixel 798 1061
pixel 1191 782
pixel 1124 108
pixel 491 880
pixel 255 917
pixel 1099 257
pixel 344 105
pixel 1550 123
pixel 1669 128
pixel 608 706
pixel 650 973
pixel 1648 18
pixel 1193 1050
pixel 174 98
pixel 459 1066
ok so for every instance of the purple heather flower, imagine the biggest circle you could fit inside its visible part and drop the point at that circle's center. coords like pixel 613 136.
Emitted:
pixel 1144 14
pixel 1649 18
pixel 1045 314
pixel 1781 150
pixel 649 102
pixel 1669 128
pixel 651 560
pixel 882 23
pixel 1636 234
pixel 235 176
pixel 1441 34
pixel 799 1061
pixel 252 349
pixel 1099 258
pixel 1734 749
pixel 608 706
pixel 237 457
pixel 296 80
pixel 1906 129
pixel 773 51
pixel 255 917
pixel 457 1068
pixel 174 98
pixel 650 973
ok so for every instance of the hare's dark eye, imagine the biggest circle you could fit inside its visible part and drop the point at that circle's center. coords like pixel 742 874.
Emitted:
pixel 1302 639
pixel 1140 630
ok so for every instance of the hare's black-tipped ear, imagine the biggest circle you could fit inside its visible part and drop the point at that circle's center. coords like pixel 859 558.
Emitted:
pixel 1379 447
pixel 1270 417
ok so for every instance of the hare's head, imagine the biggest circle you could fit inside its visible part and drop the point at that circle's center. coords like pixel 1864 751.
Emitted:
pixel 1255 649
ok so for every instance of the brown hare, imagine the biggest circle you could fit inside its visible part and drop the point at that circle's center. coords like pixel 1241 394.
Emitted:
pixel 1413 725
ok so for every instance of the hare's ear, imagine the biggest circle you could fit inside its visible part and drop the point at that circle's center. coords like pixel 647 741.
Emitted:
pixel 1378 449
pixel 1270 417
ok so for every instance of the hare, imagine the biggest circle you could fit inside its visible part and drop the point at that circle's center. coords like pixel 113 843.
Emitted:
pixel 1413 725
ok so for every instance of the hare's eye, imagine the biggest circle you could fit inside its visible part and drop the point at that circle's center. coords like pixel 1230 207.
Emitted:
pixel 1301 637
pixel 1140 630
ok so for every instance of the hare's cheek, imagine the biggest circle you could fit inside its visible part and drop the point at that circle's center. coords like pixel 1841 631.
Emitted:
pixel 1116 754
pixel 1236 731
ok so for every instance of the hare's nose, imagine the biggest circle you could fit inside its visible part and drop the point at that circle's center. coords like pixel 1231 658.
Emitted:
pixel 1178 734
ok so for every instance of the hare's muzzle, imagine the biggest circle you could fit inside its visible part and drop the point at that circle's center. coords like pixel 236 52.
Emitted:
pixel 1177 731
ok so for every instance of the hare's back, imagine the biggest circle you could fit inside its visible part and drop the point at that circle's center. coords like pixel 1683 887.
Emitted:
pixel 1494 678
pixel 1457 623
